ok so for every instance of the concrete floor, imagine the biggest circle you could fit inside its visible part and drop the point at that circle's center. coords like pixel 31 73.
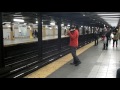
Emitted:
pixel 96 63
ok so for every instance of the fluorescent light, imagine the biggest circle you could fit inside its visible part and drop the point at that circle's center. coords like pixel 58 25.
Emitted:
pixel 112 21
pixel 62 24
pixel 25 23
pixel 17 15
pixel 81 26
pixel 111 18
pixel 36 21
pixel 18 20
pixel 68 25
pixel 110 14
pixel 52 23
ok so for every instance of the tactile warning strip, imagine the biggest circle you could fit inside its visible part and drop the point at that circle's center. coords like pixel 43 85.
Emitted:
pixel 52 67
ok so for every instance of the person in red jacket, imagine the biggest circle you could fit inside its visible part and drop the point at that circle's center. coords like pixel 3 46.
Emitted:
pixel 74 35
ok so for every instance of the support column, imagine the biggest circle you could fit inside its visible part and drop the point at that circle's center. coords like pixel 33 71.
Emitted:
pixel 59 34
pixel 83 30
pixel 40 36
pixel 53 28
pixel 44 31
pixel 31 32
pixel 1 43
pixel 11 31
pixel 91 29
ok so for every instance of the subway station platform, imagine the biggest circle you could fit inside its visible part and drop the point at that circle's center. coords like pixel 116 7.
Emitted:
pixel 27 40
pixel 96 63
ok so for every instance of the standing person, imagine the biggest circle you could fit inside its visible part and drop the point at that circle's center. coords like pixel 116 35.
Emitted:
pixel 35 32
pixel 65 32
pixel 108 33
pixel 115 38
pixel 104 38
pixel 74 35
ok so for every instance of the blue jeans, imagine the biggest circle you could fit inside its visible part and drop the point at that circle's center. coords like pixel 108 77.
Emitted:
pixel 75 57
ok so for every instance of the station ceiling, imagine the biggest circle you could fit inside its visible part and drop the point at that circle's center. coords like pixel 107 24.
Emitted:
pixel 80 18
pixel 111 18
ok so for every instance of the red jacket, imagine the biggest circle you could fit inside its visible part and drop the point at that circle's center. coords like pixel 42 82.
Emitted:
pixel 74 38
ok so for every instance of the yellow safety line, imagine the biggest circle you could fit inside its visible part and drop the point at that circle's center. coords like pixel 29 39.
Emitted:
pixel 52 67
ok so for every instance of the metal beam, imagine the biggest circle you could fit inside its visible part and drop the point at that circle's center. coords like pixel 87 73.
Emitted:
pixel 40 36
pixel 59 34
pixel 1 43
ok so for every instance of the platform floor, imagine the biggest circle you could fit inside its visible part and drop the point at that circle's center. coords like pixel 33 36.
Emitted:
pixel 27 40
pixel 96 63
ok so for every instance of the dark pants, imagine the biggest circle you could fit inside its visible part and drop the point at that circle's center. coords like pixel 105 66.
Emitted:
pixel 96 41
pixel 114 42
pixel 107 42
pixel 118 73
pixel 75 57
pixel 105 46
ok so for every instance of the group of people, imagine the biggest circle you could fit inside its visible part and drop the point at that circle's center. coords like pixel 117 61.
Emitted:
pixel 106 36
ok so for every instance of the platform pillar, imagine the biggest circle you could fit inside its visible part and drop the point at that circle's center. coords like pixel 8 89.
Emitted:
pixel 1 43
pixel 59 34
pixel 40 36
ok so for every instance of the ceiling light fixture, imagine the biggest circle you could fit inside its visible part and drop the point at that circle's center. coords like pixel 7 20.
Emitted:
pixel 18 20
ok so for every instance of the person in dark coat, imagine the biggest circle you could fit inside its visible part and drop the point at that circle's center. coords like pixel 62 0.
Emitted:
pixel 108 33
pixel 118 73
pixel 96 37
